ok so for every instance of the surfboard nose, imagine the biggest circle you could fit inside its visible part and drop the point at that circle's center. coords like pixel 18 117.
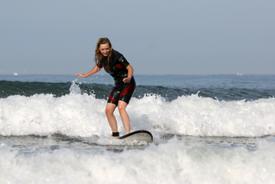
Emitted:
pixel 139 135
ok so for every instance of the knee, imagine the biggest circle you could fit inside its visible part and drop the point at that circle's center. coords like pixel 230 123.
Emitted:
pixel 121 108
pixel 108 111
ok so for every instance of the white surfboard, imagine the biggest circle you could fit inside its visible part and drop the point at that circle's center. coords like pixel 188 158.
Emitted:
pixel 135 138
pixel 139 136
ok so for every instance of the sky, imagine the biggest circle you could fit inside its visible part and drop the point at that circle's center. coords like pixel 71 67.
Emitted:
pixel 157 37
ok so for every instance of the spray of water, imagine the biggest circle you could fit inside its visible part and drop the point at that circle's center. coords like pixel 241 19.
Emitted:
pixel 74 88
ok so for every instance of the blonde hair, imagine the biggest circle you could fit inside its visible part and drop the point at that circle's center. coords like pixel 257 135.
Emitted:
pixel 98 55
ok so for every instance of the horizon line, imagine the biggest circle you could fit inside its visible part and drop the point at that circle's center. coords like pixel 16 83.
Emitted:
pixel 66 74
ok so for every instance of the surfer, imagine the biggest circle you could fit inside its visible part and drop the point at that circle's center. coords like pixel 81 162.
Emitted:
pixel 119 68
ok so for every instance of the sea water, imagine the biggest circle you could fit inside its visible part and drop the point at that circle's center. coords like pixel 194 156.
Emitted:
pixel 207 129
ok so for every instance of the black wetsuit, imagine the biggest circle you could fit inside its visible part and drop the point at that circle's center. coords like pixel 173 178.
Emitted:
pixel 116 66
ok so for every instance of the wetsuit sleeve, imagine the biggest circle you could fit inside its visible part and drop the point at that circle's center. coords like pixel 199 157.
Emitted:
pixel 98 64
pixel 123 60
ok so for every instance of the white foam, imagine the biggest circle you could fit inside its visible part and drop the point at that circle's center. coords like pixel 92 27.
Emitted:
pixel 74 88
pixel 83 115
pixel 194 115
pixel 44 114
pixel 174 162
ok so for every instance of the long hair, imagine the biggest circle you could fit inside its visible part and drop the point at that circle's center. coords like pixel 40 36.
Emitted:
pixel 98 55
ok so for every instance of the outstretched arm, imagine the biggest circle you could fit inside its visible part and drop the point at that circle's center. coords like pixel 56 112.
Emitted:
pixel 89 73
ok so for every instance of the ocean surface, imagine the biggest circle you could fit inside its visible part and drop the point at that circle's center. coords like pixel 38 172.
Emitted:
pixel 208 129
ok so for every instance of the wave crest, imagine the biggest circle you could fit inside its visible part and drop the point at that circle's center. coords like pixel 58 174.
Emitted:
pixel 83 115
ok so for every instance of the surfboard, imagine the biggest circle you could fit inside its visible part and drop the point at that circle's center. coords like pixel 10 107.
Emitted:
pixel 138 136
pixel 135 138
